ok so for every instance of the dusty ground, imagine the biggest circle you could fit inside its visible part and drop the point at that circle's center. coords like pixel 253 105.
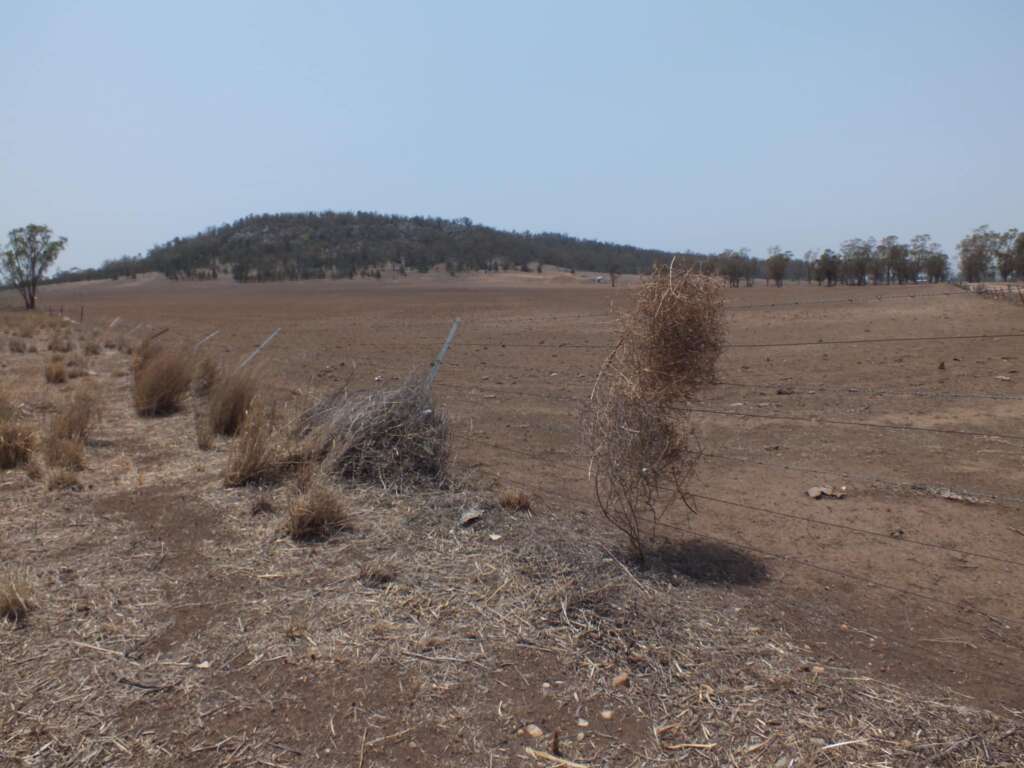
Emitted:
pixel 175 625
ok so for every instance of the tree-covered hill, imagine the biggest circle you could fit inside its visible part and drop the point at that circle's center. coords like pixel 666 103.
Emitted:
pixel 292 246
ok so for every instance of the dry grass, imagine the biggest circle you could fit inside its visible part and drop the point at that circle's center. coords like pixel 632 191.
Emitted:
pixel 256 456
pixel 60 342
pixel 231 397
pixel 91 347
pixel 514 501
pixel 17 346
pixel 75 366
pixel 316 514
pixel 16 444
pixel 63 480
pixel 69 428
pixel 160 380
pixel 55 372
pixel 205 376
pixel 15 599
pixel 396 437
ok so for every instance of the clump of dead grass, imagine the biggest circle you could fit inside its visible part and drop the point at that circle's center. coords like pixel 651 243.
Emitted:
pixel 375 574
pixel 55 371
pixel 231 397
pixel 69 428
pixel 75 367
pixel 63 480
pixel 256 456
pixel 160 379
pixel 60 342
pixel 91 347
pixel 15 599
pixel 636 424
pixel 205 376
pixel 17 346
pixel 396 437
pixel 514 500
pixel 316 514
pixel 17 440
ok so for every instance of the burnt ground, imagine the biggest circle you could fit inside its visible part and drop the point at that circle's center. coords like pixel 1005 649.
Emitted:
pixel 174 625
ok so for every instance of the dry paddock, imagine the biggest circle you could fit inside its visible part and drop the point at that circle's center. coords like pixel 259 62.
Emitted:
pixel 908 398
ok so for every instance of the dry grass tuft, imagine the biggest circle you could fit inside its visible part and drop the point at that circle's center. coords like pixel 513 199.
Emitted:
pixel 16 443
pixel 55 372
pixel 231 397
pixel 375 575
pixel 393 437
pixel 316 514
pixel 205 376
pixel 17 346
pixel 160 379
pixel 75 367
pixel 64 443
pixel 262 504
pixel 63 480
pixel 255 457
pixel 91 347
pixel 15 599
pixel 514 501
pixel 60 342
pixel 124 345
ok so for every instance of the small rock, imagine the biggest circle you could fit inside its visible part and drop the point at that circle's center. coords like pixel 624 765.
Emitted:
pixel 815 492
pixel 620 680
pixel 470 516
pixel 942 365
pixel 817 670
pixel 534 731
pixel 583 723
pixel 495 537
pixel 607 714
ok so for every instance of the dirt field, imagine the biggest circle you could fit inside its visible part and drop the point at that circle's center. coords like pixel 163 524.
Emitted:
pixel 174 625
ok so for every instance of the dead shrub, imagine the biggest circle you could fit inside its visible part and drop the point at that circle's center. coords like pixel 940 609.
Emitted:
pixel 316 514
pixel 91 347
pixel 393 437
pixel 15 599
pixel 75 367
pixel 262 504
pixel 636 424
pixel 55 372
pixel 255 457
pixel 160 379
pixel 69 428
pixel 17 346
pixel 375 575
pixel 34 471
pixel 63 480
pixel 514 501
pixel 16 443
pixel 60 342
pixel 124 345
pixel 231 397
pixel 109 343
pixel 204 376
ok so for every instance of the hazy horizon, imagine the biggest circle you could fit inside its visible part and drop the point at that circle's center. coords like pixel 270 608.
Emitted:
pixel 661 125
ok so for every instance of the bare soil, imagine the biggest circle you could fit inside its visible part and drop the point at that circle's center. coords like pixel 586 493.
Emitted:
pixel 174 625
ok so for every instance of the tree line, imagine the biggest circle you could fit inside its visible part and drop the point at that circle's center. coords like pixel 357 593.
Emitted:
pixel 302 246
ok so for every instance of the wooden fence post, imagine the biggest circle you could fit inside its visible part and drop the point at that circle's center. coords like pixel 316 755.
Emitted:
pixel 435 367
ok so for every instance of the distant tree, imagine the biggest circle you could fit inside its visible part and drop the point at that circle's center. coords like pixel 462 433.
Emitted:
pixel 926 256
pixel 977 252
pixel 857 261
pixel 613 274
pixel 1018 255
pixel 828 267
pixel 775 265
pixel 31 251
pixel 1004 251
pixel 810 257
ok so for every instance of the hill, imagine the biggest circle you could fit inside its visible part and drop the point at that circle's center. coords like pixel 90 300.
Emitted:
pixel 294 246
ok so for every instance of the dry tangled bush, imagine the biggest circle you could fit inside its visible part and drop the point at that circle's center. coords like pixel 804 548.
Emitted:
pixel 75 367
pixel 231 397
pixel 60 342
pixel 15 599
pixel 393 437
pixel 514 501
pixel 91 347
pixel 63 480
pixel 636 425
pixel 317 513
pixel 64 442
pixel 16 439
pixel 205 376
pixel 55 372
pixel 160 379
pixel 17 346
pixel 256 456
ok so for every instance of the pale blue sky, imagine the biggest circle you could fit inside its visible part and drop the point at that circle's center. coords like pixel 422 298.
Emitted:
pixel 673 125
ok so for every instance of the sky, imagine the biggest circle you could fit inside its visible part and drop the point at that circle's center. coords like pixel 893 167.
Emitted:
pixel 674 125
